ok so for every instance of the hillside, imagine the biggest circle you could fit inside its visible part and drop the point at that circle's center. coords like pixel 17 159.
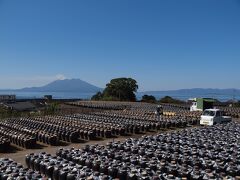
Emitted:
pixel 67 85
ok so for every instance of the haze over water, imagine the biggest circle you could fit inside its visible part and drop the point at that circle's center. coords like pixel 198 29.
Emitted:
pixel 76 95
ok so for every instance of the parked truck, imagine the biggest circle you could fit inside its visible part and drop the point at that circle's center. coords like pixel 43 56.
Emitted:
pixel 213 116
pixel 200 104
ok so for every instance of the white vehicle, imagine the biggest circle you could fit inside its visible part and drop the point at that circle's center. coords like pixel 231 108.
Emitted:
pixel 200 104
pixel 214 116
pixel 194 107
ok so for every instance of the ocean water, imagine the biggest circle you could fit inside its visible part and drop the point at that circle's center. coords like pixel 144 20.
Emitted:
pixel 56 95
pixel 76 95
pixel 184 97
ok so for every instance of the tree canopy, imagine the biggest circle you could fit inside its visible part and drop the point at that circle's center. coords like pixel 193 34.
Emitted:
pixel 119 89
pixel 98 96
pixel 149 99
pixel 168 99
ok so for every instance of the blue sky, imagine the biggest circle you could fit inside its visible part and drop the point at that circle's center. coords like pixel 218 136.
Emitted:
pixel 167 44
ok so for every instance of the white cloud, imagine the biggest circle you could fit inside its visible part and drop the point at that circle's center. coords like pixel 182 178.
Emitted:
pixel 10 82
pixel 60 77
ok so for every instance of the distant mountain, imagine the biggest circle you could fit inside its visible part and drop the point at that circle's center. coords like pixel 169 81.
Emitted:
pixel 223 94
pixel 199 91
pixel 67 85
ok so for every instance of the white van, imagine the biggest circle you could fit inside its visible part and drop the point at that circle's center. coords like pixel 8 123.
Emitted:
pixel 214 116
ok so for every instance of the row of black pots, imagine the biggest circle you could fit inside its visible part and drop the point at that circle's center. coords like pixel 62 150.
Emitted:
pixel 198 153
pixel 11 170
pixel 57 168
pixel 18 138
pixel 4 144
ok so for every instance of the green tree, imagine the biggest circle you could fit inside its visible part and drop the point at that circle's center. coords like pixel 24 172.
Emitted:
pixel 122 89
pixel 149 99
pixel 168 99
pixel 97 97
pixel 52 108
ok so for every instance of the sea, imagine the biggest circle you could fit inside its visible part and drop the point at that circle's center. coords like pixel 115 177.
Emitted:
pixel 86 96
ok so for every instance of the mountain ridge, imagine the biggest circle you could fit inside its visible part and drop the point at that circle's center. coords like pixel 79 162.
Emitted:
pixel 199 90
pixel 66 85
pixel 184 94
pixel 78 85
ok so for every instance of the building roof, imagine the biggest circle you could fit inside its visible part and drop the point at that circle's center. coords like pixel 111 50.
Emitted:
pixel 206 99
pixel 21 106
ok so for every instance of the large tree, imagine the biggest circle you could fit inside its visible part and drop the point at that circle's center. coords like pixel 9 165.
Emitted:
pixel 170 100
pixel 122 89
pixel 149 99
pixel 97 97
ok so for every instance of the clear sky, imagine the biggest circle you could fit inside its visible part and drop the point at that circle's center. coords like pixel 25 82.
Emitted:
pixel 163 44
